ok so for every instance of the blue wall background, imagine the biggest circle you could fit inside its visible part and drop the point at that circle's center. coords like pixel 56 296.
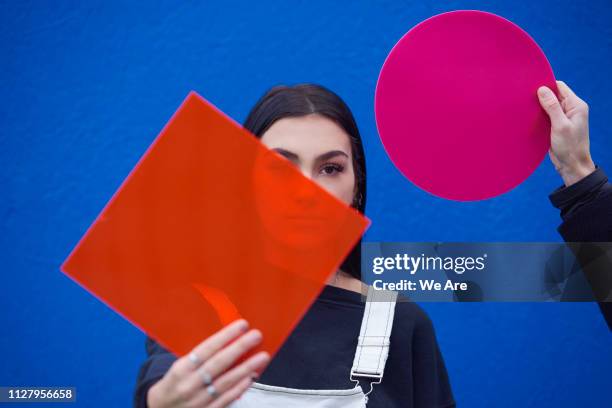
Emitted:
pixel 85 88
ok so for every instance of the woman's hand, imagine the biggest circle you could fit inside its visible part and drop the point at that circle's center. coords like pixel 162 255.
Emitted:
pixel 184 383
pixel 569 145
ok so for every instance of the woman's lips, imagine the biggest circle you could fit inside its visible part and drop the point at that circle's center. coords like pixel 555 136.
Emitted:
pixel 304 220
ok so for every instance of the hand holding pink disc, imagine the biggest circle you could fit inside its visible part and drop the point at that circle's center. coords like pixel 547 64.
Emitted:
pixel 457 108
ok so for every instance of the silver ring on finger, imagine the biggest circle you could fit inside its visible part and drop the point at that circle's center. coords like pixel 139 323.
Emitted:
pixel 206 378
pixel 212 391
pixel 193 357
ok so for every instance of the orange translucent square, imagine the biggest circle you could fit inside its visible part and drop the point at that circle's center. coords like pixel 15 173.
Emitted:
pixel 207 229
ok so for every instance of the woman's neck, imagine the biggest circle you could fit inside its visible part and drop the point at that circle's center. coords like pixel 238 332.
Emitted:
pixel 343 280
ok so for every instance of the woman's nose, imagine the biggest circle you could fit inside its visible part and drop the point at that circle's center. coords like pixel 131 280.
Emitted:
pixel 306 173
pixel 306 192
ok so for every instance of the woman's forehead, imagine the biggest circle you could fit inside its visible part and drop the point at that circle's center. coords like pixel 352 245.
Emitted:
pixel 309 135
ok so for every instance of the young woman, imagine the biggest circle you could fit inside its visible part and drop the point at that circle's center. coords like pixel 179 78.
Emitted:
pixel 315 130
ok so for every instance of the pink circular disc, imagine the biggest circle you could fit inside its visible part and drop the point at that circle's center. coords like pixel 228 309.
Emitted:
pixel 457 108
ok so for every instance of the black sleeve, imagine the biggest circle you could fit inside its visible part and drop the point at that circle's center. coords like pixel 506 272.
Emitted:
pixel 432 387
pixel 158 362
pixel 586 211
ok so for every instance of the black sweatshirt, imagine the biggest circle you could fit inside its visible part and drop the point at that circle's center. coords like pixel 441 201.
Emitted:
pixel 586 210
pixel 319 353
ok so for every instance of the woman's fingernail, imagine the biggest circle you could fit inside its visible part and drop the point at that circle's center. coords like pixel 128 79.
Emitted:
pixel 543 91
pixel 255 335
pixel 262 358
pixel 243 325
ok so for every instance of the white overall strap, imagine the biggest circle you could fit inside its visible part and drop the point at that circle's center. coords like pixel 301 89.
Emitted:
pixel 373 343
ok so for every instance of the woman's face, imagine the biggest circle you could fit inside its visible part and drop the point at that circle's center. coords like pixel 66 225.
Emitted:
pixel 290 208
pixel 319 148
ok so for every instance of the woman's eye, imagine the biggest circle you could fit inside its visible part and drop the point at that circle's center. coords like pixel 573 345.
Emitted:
pixel 332 169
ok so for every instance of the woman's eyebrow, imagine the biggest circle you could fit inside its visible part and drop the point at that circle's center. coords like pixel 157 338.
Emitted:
pixel 325 156
pixel 332 153
pixel 289 155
